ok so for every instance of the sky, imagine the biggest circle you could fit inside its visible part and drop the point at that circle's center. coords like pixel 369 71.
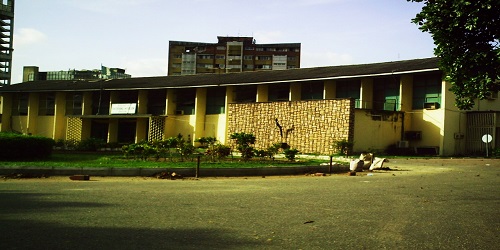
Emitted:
pixel 134 34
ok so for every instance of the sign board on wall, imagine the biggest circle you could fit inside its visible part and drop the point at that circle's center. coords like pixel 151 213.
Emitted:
pixel 123 108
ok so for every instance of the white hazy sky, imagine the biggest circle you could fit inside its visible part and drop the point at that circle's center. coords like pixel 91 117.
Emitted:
pixel 134 34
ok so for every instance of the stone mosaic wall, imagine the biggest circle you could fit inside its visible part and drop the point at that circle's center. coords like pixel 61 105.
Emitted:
pixel 309 126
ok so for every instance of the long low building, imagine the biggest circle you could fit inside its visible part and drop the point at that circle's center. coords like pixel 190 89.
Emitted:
pixel 402 105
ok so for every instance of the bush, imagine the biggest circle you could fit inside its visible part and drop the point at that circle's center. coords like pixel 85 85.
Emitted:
pixel 243 141
pixel 290 153
pixel 24 147
pixel 90 144
pixel 343 147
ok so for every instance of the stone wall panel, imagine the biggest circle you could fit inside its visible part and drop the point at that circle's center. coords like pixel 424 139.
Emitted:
pixel 309 126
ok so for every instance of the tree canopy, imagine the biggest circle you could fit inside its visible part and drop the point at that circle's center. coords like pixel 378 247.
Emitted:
pixel 466 34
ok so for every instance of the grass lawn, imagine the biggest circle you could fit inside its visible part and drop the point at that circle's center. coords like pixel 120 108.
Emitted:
pixel 117 160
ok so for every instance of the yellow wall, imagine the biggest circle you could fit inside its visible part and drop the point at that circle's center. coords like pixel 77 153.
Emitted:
pixel 45 126
pixel 200 108
pixel 366 93
pixel 6 111
pixel 19 124
pixel 32 113
pixel 330 91
pixel 295 91
pixel 373 135
pixel 215 127
pixel 183 124
pixel 262 93
pixel 60 116
pixel 430 122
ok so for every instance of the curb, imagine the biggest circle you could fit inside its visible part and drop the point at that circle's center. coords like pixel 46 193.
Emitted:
pixel 185 172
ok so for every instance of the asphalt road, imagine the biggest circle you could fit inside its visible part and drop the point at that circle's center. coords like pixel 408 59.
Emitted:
pixel 418 205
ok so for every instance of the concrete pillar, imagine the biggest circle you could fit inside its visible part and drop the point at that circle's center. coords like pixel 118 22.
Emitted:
pixel 200 107
pixel 229 99
pixel 33 103
pixel 86 110
pixel 6 112
pixel 141 129
pixel 60 116
pixel 142 102
pixel 366 95
pixel 262 93
pixel 295 91
pixel 142 123
pixel 113 130
pixel 170 109
pixel 406 93
pixel 330 89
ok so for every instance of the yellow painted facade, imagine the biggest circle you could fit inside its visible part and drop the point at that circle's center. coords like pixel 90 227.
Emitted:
pixel 443 127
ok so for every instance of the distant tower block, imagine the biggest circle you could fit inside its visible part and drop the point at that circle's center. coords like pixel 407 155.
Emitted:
pixel 6 34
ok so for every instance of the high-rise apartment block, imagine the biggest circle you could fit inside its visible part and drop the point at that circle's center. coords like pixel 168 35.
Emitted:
pixel 6 33
pixel 230 54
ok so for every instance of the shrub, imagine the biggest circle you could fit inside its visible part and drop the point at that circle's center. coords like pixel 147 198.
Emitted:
pixel 343 147
pixel 290 153
pixel 243 141
pixel 24 147
pixel 90 144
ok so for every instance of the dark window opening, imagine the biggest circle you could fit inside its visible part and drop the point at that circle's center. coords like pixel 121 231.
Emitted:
pixel 312 90
pixel 279 92
pixel 386 93
pixel 245 94
pixel 427 91
pixel 157 101
pixel 216 100
pixel 349 89
pixel 185 100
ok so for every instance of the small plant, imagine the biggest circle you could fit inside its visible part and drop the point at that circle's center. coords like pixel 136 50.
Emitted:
pixel 290 153
pixel 243 142
pixel 274 150
pixel 343 147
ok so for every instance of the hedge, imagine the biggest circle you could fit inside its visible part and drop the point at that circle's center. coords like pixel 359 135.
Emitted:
pixel 24 147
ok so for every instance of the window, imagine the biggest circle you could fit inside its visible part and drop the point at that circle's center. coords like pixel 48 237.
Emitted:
pixel 221 48
pixel 100 102
pixel 205 57
pixel 263 58
pixel 220 57
pixel 426 89
pixel 20 104
pixel 128 96
pixel 292 58
pixel 279 92
pixel 247 57
pixel 157 101
pixel 312 90
pixel 349 89
pixel 259 49
pixel 271 49
pixel 249 48
pixel 185 99
pixel 245 94
pixel 178 56
pixel 386 93
pixel 74 103
pixel 216 100
pixel 47 104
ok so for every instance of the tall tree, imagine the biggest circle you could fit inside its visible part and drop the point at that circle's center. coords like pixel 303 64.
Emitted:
pixel 466 34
